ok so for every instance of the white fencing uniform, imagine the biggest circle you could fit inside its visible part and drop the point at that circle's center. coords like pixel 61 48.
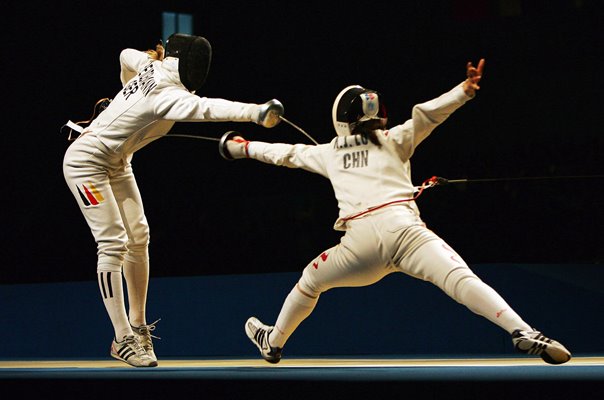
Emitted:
pixel 97 164
pixel 98 172
pixel 390 239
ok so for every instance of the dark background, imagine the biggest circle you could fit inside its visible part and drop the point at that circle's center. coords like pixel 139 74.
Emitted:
pixel 537 115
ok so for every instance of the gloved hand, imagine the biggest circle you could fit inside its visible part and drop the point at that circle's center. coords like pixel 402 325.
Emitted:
pixel 269 113
pixel 232 146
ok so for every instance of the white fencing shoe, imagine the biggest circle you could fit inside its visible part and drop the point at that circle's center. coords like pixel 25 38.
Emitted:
pixel 143 334
pixel 131 352
pixel 534 342
pixel 258 334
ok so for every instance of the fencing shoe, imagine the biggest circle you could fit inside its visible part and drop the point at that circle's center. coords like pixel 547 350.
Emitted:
pixel 143 334
pixel 533 342
pixel 258 334
pixel 131 352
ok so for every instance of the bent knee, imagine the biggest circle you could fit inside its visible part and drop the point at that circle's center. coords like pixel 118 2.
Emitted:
pixel 308 288
pixel 138 251
pixel 138 243
pixel 112 251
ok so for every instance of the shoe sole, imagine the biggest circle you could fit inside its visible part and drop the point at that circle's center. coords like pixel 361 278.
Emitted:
pixel 151 364
pixel 556 354
pixel 551 352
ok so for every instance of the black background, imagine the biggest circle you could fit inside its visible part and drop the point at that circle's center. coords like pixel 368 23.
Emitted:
pixel 537 115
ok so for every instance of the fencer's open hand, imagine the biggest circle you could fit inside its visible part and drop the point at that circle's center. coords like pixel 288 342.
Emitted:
pixel 474 74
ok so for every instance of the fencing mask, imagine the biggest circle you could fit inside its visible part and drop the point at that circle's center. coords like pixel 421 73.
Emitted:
pixel 194 55
pixel 354 105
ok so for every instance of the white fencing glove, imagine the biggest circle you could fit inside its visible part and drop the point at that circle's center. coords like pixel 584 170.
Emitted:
pixel 232 146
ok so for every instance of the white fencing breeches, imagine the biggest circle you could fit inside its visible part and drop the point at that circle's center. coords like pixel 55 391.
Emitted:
pixel 391 241
pixel 105 189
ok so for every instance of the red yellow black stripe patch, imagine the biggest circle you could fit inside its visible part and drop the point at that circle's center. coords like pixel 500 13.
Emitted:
pixel 90 195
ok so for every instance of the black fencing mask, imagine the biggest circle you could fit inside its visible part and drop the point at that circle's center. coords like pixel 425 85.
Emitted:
pixel 194 55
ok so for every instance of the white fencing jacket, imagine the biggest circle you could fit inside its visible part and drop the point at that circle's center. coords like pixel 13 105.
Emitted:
pixel 364 175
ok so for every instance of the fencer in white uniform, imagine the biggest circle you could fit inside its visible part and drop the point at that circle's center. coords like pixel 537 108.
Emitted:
pixel 158 90
pixel 368 166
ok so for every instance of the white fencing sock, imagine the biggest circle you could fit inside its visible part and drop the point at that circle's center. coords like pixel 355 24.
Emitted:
pixel 483 300
pixel 296 308
pixel 136 274
pixel 110 284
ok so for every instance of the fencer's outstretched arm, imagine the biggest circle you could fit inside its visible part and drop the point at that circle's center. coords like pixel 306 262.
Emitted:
pixel 425 117
pixel 177 105
pixel 232 146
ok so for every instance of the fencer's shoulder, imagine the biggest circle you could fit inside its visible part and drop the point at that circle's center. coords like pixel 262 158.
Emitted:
pixel 175 98
pixel 133 60
pixel 130 54
pixel 169 91
pixel 394 132
pixel 396 135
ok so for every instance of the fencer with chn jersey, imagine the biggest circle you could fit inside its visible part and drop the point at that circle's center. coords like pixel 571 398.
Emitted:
pixel 368 166
pixel 365 176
